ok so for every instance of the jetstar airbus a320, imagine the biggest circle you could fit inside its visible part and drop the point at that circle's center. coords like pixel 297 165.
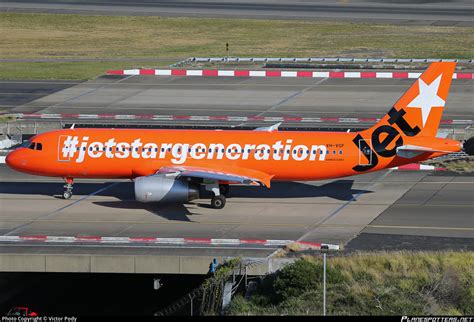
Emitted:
pixel 171 165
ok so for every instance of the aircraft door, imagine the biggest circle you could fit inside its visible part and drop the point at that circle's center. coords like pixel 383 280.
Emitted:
pixel 365 152
pixel 65 148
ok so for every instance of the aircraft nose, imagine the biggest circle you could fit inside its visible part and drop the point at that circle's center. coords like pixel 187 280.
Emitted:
pixel 13 160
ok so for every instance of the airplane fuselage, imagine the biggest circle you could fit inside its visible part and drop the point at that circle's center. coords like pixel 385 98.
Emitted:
pixel 129 153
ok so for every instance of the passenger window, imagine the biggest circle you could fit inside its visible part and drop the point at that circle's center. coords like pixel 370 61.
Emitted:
pixel 39 146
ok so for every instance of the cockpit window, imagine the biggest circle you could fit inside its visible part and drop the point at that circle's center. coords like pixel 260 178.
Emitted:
pixel 25 144
pixel 32 145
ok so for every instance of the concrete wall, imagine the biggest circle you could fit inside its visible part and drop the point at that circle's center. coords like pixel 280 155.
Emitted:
pixel 138 264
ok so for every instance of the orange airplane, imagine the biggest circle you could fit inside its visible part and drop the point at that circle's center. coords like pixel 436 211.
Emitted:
pixel 172 165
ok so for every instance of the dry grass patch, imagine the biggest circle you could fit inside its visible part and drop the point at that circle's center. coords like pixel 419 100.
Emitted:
pixel 57 35
pixel 384 283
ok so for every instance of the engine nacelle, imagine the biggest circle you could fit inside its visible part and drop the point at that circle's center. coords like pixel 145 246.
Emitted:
pixel 159 188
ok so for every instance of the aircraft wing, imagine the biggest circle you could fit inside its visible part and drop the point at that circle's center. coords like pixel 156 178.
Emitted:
pixel 220 173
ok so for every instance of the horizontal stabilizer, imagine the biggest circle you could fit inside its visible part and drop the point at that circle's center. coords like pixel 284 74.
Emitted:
pixel 411 151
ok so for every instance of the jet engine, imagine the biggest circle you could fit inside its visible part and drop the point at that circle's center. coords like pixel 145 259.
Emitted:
pixel 158 188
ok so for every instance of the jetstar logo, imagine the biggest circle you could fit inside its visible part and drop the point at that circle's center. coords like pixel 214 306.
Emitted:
pixel 73 148
pixel 382 137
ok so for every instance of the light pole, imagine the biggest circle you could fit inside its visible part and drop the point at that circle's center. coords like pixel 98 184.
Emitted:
pixel 191 299
pixel 324 250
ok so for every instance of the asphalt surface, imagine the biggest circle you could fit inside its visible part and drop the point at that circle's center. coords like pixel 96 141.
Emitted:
pixel 13 93
pixel 410 205
pixel 435 214
pixel 287 211
pixel 246 96
pixel 394 242
pixel 388 203
pixel 416 12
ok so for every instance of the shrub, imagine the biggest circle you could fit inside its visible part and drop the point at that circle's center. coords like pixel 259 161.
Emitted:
pixel 421 283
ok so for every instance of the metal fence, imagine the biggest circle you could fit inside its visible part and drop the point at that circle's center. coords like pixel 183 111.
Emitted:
pixel 322 59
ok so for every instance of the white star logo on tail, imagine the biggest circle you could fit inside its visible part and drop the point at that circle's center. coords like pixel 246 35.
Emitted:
pixel 427 98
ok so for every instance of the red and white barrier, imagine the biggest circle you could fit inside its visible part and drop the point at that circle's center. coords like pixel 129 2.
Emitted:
pixel 418 167
pixel 274 73
pixel 161 241
pixel 210 118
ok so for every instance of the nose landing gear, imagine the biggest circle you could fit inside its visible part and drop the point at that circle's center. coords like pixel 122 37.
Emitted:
pixel 67 194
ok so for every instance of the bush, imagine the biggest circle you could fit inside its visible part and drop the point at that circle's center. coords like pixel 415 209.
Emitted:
pixel 295 279
pixel 398 283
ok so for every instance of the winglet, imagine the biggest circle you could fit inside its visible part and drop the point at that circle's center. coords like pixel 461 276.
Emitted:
pixel 266 180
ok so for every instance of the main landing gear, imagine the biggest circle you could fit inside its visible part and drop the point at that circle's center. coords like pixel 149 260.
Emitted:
pixel 224 189
pixel 67 194
pixel 220 191
pixel 218 202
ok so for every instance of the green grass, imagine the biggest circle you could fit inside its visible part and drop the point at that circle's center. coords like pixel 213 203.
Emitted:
pixel 396 283
pixel 57 35
pixel 68 70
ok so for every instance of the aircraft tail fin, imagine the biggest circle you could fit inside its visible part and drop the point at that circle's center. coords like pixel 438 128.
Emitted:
pixel 419 110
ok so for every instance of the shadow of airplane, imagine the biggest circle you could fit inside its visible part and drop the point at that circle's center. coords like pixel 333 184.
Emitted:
pixel 170 211
pixel 339 189
pixel 124 191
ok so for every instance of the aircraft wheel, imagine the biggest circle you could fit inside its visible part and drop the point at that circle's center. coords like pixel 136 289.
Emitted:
pixel 218 202
pixel 67 194
pixel 224 189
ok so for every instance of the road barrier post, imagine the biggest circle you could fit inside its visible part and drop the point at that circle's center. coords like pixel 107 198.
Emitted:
pixel 324 250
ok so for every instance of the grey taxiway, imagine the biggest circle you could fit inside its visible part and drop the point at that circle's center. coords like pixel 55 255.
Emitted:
pixel 458 12
pixel 384 210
